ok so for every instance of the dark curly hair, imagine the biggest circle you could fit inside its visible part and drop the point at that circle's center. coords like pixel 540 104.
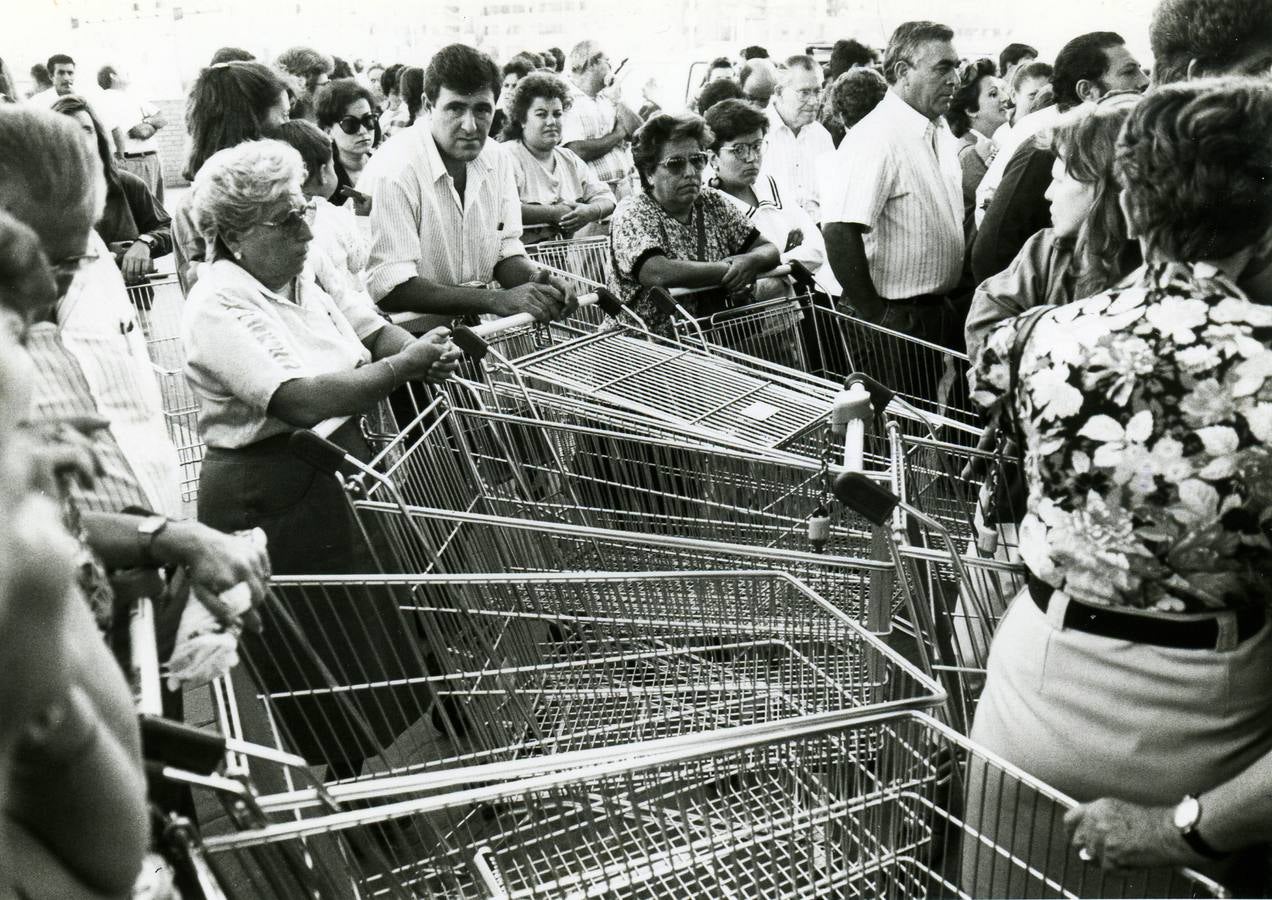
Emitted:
pixel 529 89
pixel 855 93
pixel 1196 166
pixel 714 92
pixel 730 118
pixel 847 54
pixel 1216 33
pixel 462 69
pixel 648 142
pixel 967 98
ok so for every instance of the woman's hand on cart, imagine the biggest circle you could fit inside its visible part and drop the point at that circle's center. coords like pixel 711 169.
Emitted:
pixel 433 358
pixel 1114 835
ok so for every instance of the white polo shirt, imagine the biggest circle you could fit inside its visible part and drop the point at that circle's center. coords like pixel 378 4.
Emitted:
pixel 901 179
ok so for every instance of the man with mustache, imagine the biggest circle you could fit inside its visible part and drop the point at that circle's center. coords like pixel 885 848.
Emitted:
pixel 445 214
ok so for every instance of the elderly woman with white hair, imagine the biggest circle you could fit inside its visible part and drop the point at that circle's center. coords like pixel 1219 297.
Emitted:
pixel 268 352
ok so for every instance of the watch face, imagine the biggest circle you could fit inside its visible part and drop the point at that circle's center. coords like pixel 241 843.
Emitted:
pixel 1187 812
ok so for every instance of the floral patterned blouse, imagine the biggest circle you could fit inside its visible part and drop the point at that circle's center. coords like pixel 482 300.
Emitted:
pixel 641 229
pixel 1147 420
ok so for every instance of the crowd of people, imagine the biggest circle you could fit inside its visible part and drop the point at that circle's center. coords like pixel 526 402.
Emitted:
pixel 1097 238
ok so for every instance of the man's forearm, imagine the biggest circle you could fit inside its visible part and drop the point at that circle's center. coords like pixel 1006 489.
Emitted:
pixel 419 295
pixel 515 270
pixel 846 253
pixel 594 148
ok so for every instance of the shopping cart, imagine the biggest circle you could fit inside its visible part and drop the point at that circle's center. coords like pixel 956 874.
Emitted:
pixel 392 675
pixel 805 331
pixel 884 806
pixel 586 259
pixel 158 304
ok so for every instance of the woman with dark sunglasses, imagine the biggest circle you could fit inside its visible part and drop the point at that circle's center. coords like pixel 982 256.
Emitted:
pixel 344 112
pixel 677 232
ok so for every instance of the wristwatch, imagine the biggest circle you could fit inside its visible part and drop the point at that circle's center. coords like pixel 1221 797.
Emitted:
pixel 1187 815
pixel 148 529
pixel 147 239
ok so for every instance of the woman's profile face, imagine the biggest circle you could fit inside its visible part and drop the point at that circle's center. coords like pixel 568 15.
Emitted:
pixel 676 180
pixel 542 125
pixel 278 113
pixel 1027 95
pixel 1071 200
pixel 275 253
pixel 737 163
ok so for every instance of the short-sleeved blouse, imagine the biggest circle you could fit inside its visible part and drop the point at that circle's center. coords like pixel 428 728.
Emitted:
pixel 641 229
pixel 1147 421
pixel 571 180
pixel 243 342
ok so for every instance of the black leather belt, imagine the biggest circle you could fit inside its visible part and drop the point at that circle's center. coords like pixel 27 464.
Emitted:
pixel 921 300
pixel 1193 633
pixel 140 155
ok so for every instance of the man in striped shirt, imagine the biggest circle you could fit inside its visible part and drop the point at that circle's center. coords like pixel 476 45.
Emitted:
pixel 595 128
pixel 894 232
pixel 445 216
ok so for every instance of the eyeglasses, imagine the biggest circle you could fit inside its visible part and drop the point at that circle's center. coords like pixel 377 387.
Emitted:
pixel 69 266
pixel 354 124
pixel 745 151
pixel 807 93
pixel 677 165
pixel 295 217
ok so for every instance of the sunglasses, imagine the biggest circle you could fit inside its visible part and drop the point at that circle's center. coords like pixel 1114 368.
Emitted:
pixel 354 124
pixel 295 217
pixel 678 165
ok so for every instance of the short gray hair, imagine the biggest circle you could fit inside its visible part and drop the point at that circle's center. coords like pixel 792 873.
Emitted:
pixel 797 62
pixel 49 179
pixel 234 187
pixel 582 54
pixel 905 42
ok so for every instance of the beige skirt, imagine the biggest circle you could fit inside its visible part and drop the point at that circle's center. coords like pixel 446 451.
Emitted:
pixel 1098 717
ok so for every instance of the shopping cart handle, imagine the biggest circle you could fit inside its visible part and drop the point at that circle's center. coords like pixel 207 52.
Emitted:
pixel 802 277
pixel 470 342
pixel 880 394
pixel 316 450
pixel 867 498
pixel 180 746
pixel 609 304
pixel 665 303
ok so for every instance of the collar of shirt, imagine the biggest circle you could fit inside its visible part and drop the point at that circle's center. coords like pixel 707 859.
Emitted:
pixel 906 116
pixel 479 167
pixel 231 273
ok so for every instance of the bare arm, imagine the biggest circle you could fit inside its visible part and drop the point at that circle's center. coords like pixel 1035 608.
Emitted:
pixel 594 148
pixel 846 252
pixel 663 272
pixel 543 213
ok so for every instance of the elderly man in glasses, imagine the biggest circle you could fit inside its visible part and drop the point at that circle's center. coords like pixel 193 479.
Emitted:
pixel 796 140
pixel 676 232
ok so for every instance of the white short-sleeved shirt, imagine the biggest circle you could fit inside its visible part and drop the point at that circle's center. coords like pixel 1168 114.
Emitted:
pixel 570 181
pixel 792 158
pixel 124 110
pixel 243 342
pixel 421 227
pixel 907 195
pixel 776 216
pixel 589 118
pixel 338 234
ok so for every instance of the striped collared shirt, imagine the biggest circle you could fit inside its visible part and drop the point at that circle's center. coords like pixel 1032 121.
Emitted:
pixel 909 196
pixel 589 118
pixel 93 362
pixel 420 226
pixel 792 158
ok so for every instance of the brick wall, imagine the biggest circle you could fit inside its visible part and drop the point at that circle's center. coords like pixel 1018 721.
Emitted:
pixel 172 141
